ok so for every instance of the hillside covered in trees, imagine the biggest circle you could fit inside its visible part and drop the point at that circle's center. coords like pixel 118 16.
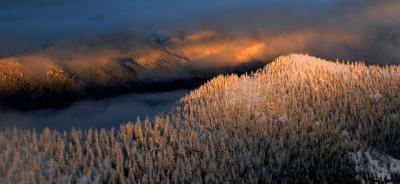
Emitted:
pixel 298 120
pixel 110 65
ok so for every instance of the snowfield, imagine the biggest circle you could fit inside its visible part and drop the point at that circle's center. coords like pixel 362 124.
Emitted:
pixel 300 119
pixel 376 168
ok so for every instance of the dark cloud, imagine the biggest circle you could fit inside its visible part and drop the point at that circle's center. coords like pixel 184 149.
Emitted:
pixel 27 24
pixel 368 29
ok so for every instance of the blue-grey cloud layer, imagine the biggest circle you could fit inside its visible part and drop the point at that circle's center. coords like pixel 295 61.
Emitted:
pixel 24 23
pixel 27 25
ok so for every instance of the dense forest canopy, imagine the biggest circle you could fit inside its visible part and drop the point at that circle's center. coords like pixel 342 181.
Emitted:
pixel 298 120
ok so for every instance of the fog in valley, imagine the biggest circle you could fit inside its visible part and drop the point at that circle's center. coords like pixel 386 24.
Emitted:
pixel 105 113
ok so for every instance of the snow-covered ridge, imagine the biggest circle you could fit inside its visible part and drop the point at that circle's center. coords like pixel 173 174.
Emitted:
pixel 360 100
pixel 298 120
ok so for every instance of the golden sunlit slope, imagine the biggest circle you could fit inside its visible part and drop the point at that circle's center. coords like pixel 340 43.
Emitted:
pixel 299 120
pixel 122 59
pixel 305 101
pixel 69 70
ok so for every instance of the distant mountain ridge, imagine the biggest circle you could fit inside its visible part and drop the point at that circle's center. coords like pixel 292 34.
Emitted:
pixel 115 64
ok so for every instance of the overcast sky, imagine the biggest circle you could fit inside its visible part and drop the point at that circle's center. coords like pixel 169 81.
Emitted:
pixel 27 24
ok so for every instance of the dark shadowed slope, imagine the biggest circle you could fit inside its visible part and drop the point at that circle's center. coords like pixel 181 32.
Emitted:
pixel 299 120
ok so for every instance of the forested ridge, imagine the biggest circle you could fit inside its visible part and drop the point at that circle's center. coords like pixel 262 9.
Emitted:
pixel 300 119
pixel 64 72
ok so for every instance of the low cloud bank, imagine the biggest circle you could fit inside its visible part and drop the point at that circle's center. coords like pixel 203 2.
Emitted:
pixel 351 30
pixel 106 113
